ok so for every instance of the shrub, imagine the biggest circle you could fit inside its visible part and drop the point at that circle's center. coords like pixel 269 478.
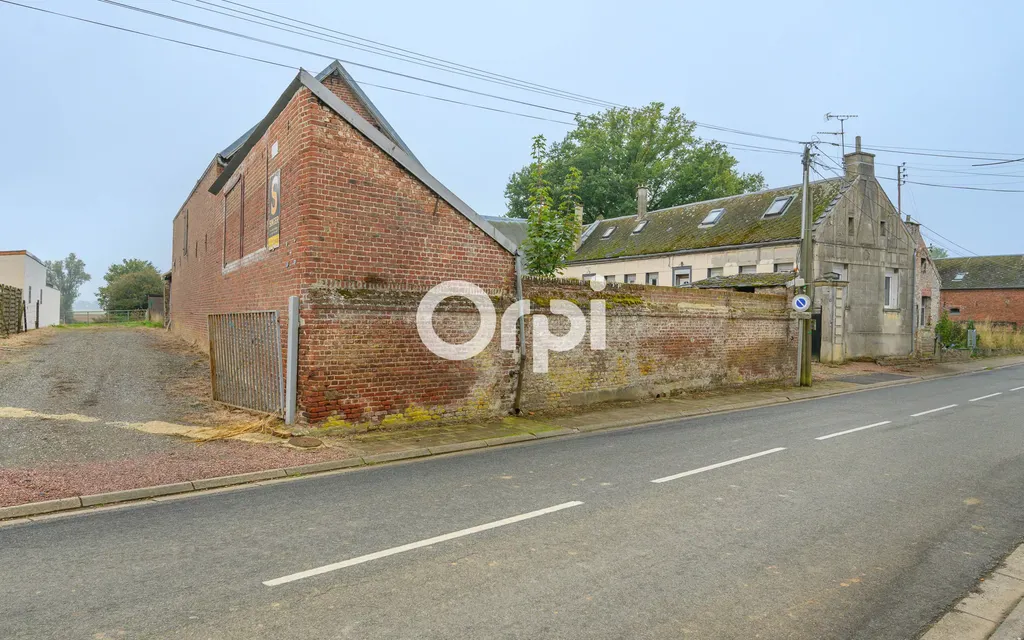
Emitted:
pixel 1000 337
pixel 951 334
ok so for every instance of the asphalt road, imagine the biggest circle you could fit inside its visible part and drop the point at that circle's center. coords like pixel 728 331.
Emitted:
pixel 869 534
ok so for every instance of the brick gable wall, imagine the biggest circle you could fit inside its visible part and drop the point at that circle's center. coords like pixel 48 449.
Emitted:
pixel 986 305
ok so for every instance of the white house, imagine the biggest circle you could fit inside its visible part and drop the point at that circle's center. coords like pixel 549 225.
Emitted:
pixel 23 270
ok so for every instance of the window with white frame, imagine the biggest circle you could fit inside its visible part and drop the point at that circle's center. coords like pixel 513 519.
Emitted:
pixel 748 268
pixel 629 278
pixel 681 276
pixel 778 207
pixel 607 233
pixel 892 288
pixel 712 218
pixel 640 227
pixel 959 277
pixel 784 267
pixel 651 278
pixel 714 272
pixel 609 278
pixel 587 277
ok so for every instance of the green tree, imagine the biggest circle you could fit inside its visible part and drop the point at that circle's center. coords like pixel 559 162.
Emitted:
pixel 618 150
pixel 67 276
pixel 129 285
pixel 129 266
pixel 552 227
pixel 937 252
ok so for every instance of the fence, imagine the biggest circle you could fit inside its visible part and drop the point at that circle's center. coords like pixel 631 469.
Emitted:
pixel 245 360
pixel 10 310
pixel 116 316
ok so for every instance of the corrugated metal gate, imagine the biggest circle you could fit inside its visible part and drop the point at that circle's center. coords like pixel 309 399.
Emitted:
pixel 245 360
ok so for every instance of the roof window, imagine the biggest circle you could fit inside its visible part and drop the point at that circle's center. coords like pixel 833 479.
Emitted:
pixel 712 218
pixel 607 233
pixel 959 277
pixel 778 207
pixel 640 227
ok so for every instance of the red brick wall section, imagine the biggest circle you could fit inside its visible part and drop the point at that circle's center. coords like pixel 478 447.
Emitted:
pixel 985 305
pixel 661 341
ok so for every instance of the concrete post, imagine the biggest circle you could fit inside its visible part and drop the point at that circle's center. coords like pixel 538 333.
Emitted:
pixel 293 359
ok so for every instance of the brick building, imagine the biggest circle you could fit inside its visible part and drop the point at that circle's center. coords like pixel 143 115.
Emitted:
pixel 323 189
pixel 984 289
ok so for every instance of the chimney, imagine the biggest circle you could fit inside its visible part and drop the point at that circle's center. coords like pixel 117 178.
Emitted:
pixel 641 203
pixel 859 163
pixel 579 225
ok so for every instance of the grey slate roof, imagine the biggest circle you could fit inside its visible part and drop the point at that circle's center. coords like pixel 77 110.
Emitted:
pixel 746 280
pixel 679 228
pixel 513 228
pixel 984 272
pixel 393 148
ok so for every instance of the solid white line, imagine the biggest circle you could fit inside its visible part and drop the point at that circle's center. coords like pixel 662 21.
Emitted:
pixel 720 464
pixel 1017 389
pixel 843 433
pixel 924 413
pixel 991 395
pixel 417 545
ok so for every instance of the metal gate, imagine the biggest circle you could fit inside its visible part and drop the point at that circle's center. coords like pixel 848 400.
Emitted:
pixel 245 360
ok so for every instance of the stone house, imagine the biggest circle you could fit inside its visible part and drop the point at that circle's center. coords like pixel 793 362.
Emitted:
pixel 984 289
pixel 864 255
pixel 928 284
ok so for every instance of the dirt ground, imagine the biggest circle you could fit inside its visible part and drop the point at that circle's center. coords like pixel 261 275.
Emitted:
pixel 87 410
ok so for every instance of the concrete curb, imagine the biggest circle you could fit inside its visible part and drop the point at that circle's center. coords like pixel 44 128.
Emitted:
pixel 9 515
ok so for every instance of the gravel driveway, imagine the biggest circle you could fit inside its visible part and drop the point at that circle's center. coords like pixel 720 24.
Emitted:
pixel 60 390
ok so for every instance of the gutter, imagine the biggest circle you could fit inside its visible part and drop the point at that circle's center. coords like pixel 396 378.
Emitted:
pixel 727 247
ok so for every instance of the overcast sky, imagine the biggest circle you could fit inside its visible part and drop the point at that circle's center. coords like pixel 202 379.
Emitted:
pixel 106 132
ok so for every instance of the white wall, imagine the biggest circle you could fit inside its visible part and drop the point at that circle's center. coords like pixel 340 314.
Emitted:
pixel 12 270
pixel 49 310
pixel 29 275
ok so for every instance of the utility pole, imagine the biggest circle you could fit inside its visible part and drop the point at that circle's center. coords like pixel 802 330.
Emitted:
pixel 901 178
pixel 806 270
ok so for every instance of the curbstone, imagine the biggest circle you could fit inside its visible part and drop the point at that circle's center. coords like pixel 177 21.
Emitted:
pixel 1013 627
pixel 240 478
pixel 36 508
pixel 957 625
pixel 327 465
pixel 553 432
pixel 396 455
pixel 136 494
pixel 456 446
pixel 522 437
pixel 998 595
pixel 1013 566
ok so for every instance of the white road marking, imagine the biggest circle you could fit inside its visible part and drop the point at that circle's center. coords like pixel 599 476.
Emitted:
pixel 417 545
pixel 843 433
pixel 1017 389
pixel 720 464
pixel 991 395
pixel 924 413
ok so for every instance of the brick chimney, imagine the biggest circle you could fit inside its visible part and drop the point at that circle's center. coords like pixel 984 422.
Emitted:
pixel 641 202
pixel 859 163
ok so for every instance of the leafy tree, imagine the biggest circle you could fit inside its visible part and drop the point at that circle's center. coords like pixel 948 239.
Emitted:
pixel 937 252
pixel 552 227
pixel 618 150
pixel 152 283
pixel 67 276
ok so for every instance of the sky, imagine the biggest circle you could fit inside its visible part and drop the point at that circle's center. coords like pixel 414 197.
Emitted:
pixel 106 132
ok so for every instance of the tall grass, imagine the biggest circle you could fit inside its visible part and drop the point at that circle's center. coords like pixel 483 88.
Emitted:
pixel 999 337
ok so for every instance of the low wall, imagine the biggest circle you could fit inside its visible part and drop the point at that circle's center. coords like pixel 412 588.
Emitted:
pixel 10 310
pixel 362 362
pixel 660 341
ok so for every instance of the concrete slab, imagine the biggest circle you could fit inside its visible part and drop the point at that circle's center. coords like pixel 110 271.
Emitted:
pixel 240 478
pixel 136 494
pixel 957 625
pixel 522 437
pixel 1013 566
pixel 1013 627
pixel 996 598
pixel 457 446
pixel 396 455
pixel 36 508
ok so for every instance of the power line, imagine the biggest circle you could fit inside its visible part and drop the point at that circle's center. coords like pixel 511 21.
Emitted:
pixel 273 63
pixel 309 33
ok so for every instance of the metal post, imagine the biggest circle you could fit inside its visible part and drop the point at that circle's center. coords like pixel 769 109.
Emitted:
pixel 293 359
pixel 806 270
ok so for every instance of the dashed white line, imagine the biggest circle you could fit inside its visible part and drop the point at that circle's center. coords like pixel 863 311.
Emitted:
pixel 991 395
pixel 843 433
pixel 417 545
pixel 924 413
pixel 718 465
pixel 1017 389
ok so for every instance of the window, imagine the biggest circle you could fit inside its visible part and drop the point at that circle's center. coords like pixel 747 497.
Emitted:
pixel 629 278
pixel 30 293
pixel 681 276
pixel 954 311
pixel 960 276
pixel 651 278
pixel 715 272
pixel 40 296
pixel 640 227
pixel 926 311
pixel 784 267
pixel 849 227
pixel 892 288
pixel 609 278
pixel 607 233
pixel 778 207
pixel 587 277
pixel 748 268
pixel 881 228
pixel 712 218
pixel 924 265
pixel 185 244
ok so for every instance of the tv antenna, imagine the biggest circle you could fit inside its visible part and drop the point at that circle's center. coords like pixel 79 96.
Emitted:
pixel 842 118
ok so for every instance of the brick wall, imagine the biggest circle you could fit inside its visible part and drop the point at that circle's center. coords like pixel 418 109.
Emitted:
pixel 985 305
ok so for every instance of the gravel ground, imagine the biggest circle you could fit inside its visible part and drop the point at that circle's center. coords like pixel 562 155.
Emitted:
pixel 113 375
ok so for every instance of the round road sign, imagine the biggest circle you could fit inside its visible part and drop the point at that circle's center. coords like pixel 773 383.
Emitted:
pixel 801 302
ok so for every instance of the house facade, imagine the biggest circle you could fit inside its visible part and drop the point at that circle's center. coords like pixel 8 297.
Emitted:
pixel 984 289
pixel 864 255
pixel 324 191
pixel 927 291
pixel 22 270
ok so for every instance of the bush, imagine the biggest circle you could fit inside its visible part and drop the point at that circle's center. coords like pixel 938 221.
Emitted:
pixel 951 334
pixel 1001 338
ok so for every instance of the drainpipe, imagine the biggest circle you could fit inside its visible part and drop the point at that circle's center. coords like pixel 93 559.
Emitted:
pixel 517 401
pixel 913 306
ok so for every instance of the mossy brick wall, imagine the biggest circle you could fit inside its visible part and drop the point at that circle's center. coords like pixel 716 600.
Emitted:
pixel 660 341
pixel 10 310
pixel 365 361
pixel 1004 306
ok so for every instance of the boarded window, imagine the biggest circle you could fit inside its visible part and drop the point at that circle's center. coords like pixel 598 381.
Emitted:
pixel 233 223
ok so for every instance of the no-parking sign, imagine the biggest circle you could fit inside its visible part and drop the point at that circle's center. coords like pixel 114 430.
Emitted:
pixel 801 302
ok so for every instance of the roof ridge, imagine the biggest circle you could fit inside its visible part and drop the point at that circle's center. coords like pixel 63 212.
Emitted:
pixel 741 195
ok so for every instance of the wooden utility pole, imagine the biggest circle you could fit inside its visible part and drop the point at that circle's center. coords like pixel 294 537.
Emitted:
pixel 806 270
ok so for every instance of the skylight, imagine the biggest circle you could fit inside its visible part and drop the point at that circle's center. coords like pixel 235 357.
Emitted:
pixel 959 277
pixel 712 218
pixel 607 233
pixel 778 207
pixel 640 227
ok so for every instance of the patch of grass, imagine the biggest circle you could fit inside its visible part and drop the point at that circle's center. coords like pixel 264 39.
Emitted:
pixel 93 325
pixel 1000 338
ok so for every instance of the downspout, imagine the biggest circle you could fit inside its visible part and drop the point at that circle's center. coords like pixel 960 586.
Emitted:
pixel 517 408
pixel 913 305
